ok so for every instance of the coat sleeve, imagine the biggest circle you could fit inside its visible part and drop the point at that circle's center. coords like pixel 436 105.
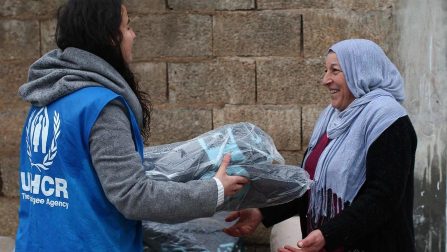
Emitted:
pixel 386 192
pixel 120 172
pixel 275 214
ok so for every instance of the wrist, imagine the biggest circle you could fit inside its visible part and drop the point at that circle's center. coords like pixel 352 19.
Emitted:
pixel 220 192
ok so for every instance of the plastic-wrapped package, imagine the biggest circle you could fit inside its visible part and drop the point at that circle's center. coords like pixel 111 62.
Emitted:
pixel 253 155
pixel 204 234
pixel 270 184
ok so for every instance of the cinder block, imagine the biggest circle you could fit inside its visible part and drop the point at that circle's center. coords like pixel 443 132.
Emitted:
pixel 29 9
pixel 47 35
pixel 172 35
pixel 207 5
pixel 9 169
pixel 368 5
pixel 12 115
pixel 293 157
pixel 12 76
pixel 377 26
pixel 293 4
pixel 325 4
pixel 235 5
pixel 8 220
pixel 261 33
pixel 144 7
pixel 11 135
pixel 174 125
pixel 324 28
pixel 282 123
pixel 290 81
pixel 310 117
pixel 19 40
pixel 152 78
pixel 212 82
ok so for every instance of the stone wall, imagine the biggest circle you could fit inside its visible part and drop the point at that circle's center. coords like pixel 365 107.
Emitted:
pixel 205 63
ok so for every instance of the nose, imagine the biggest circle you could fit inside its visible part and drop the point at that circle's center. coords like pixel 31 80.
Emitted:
pixel 326 79
pixel 134 35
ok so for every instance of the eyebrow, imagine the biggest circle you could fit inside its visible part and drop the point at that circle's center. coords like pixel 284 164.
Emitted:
pixel 334 64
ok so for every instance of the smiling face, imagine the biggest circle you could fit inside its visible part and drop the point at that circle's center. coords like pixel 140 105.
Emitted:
pixel 128 36
pixel 334 80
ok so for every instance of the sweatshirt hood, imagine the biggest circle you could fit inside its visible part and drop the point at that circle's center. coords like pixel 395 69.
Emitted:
pixel 59 73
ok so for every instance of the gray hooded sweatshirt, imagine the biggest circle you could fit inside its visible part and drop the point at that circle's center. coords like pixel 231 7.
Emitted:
pixel 112 150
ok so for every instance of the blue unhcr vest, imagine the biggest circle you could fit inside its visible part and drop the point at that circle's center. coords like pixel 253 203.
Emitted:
pixel 62 204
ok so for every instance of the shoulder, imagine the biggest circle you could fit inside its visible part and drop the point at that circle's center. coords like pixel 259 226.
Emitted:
pixel 401 127
pixel 401 132
pixel 379 114
pixel 384 105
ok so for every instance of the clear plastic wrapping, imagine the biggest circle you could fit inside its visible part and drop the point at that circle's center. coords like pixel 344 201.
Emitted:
pixel 204 234
pixel 253 155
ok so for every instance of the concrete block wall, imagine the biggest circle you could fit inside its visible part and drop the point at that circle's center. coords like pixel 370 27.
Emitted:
pixel 205 63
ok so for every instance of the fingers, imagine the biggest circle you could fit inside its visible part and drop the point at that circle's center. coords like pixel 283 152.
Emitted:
pixel 249 219
pixel 223 171
pixel 285 250
pixel 231 184
pixel 290 248
pixel 241 180
pixel 314 241
pixel 223 166
pixel 238 230
pixel 245 230
pixel 232 216
pixel 238 181
pixel 233 231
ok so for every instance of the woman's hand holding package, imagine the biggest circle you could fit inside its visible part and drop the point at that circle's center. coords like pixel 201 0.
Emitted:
pixel 249 219
pixel 231 184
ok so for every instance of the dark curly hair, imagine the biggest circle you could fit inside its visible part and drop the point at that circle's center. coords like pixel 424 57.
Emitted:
pixel 94 26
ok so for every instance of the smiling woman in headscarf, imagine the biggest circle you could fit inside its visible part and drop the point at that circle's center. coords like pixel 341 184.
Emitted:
pixel 361 158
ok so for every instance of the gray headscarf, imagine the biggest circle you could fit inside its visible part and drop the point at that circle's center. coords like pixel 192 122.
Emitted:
pixel 378 88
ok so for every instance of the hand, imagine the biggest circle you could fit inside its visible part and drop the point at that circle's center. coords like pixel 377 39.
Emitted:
pixel 249 219
pixel 231 184
pixel 314 242
pixel 289 248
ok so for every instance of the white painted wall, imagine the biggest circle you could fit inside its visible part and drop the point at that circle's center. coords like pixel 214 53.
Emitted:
pixel 422 55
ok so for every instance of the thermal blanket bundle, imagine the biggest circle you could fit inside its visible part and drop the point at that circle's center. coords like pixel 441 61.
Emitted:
pixel 253 155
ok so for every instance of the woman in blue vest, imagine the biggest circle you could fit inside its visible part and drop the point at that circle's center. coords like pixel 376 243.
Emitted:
pixel 82 183
pixel 361 157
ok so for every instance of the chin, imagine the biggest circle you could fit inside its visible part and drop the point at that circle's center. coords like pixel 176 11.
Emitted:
pixel 335 106
pixel 128 61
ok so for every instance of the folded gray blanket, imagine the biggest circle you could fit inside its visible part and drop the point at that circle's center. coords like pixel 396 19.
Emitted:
pixel 253 155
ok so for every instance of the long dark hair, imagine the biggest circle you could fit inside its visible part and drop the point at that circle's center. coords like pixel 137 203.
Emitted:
pixel 94 26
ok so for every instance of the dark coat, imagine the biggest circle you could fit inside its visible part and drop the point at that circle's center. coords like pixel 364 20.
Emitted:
pixel 380 217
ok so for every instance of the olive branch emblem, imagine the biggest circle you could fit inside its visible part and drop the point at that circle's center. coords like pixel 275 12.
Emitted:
pixel 48 159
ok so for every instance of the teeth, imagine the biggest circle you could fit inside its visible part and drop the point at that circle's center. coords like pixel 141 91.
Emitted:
pixel 333 91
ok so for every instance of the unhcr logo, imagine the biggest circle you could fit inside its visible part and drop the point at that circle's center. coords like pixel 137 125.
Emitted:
pixel 37 146
pixel 41 147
